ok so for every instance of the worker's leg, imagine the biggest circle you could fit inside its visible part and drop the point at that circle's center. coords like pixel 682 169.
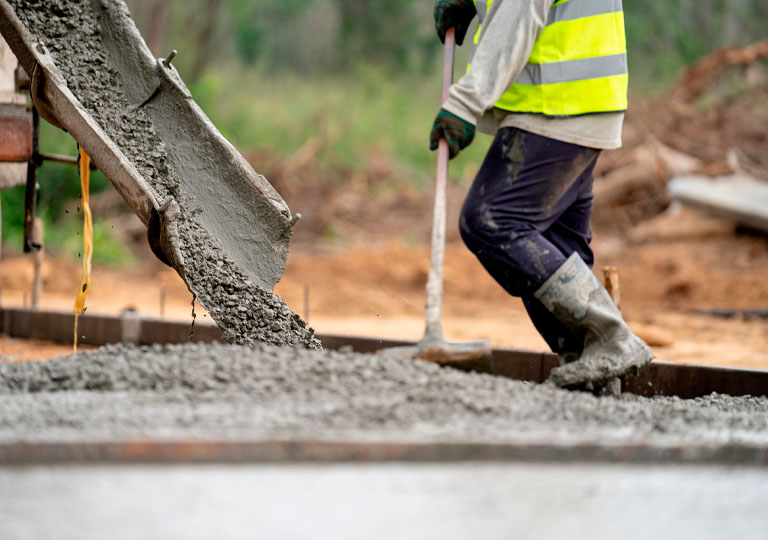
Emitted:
pixel 559 339
pixel 528 207
pixel 510 219
pixel 570 233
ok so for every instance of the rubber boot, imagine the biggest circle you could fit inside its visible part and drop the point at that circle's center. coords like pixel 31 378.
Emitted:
pixel 560 340
pixel 581 303
pixel 568 357
pixel 611 387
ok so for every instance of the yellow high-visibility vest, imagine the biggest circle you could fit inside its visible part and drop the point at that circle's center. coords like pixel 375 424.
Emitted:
pixel 578 64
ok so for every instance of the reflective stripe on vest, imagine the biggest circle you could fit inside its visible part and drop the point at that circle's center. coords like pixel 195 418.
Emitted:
pixel 578 64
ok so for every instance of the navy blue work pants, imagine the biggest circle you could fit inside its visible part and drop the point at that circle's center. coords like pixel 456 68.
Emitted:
pixel 527 211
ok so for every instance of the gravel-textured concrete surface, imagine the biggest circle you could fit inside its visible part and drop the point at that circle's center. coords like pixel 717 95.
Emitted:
pixel 235 392
pixel 232 392
pixel 246 312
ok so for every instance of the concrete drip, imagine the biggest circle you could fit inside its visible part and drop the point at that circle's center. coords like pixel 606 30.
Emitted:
pixel 246 312
pixel 235 392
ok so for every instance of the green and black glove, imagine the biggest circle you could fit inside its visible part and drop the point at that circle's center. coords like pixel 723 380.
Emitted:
pixel 459 133
pixel 456 14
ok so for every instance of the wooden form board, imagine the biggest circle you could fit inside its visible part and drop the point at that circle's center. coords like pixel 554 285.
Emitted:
pixel 658 379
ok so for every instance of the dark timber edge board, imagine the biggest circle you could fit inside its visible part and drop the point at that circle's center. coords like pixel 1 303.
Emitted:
pixel 298 451
pixel 660 378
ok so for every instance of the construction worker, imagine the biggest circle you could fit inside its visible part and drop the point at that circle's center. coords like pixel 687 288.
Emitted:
pixel 548 78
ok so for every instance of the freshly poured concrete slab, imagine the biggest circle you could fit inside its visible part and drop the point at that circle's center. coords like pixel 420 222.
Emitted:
pixel 398 501
pixel 227 393
pixel 738 198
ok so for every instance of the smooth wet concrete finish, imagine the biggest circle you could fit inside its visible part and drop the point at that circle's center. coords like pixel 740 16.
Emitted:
pixel 105 64
pixel 227 392
pixel 409 502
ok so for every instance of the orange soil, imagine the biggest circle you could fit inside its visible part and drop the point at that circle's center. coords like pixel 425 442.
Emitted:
pixel 379 291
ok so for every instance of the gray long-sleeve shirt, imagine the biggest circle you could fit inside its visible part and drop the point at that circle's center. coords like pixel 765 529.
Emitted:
pixel 510 30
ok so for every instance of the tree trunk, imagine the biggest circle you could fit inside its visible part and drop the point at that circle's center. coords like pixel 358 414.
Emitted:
pixel 203 55
pixel 158 27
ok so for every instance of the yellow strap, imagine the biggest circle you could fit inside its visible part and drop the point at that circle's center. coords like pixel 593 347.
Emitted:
pixel 607 94
pixel 82 292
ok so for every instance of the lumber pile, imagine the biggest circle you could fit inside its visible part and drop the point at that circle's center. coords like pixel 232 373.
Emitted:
pixel 700 128
pixel 740 199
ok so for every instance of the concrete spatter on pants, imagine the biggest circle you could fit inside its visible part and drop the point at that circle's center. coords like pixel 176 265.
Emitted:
pixel 515 152
pixel 529 208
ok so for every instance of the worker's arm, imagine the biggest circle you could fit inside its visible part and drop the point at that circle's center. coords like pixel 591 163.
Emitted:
pixel 510 30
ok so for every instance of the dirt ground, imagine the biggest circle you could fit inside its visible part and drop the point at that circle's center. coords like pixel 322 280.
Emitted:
pixel 670 266
pixel 359 255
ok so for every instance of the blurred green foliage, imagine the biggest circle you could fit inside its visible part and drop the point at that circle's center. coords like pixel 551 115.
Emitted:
pixel 378 117
pixel 254 25
pixel 663 37
pixel 335 36
pixel 369 92
pixel 362 77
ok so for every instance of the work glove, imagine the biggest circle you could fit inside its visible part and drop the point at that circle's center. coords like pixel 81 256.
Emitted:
pixel 456 14
pixel 459 133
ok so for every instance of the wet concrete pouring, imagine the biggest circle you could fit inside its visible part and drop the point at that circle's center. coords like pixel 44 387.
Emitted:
pixel 246 312
pixel 234 392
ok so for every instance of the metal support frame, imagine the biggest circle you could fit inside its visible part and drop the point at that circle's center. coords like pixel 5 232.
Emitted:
pixel 31 193
pixel 30 196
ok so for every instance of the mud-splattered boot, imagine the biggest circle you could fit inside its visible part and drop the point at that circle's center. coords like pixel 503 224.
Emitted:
pixel 612 387
pixel 580 302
